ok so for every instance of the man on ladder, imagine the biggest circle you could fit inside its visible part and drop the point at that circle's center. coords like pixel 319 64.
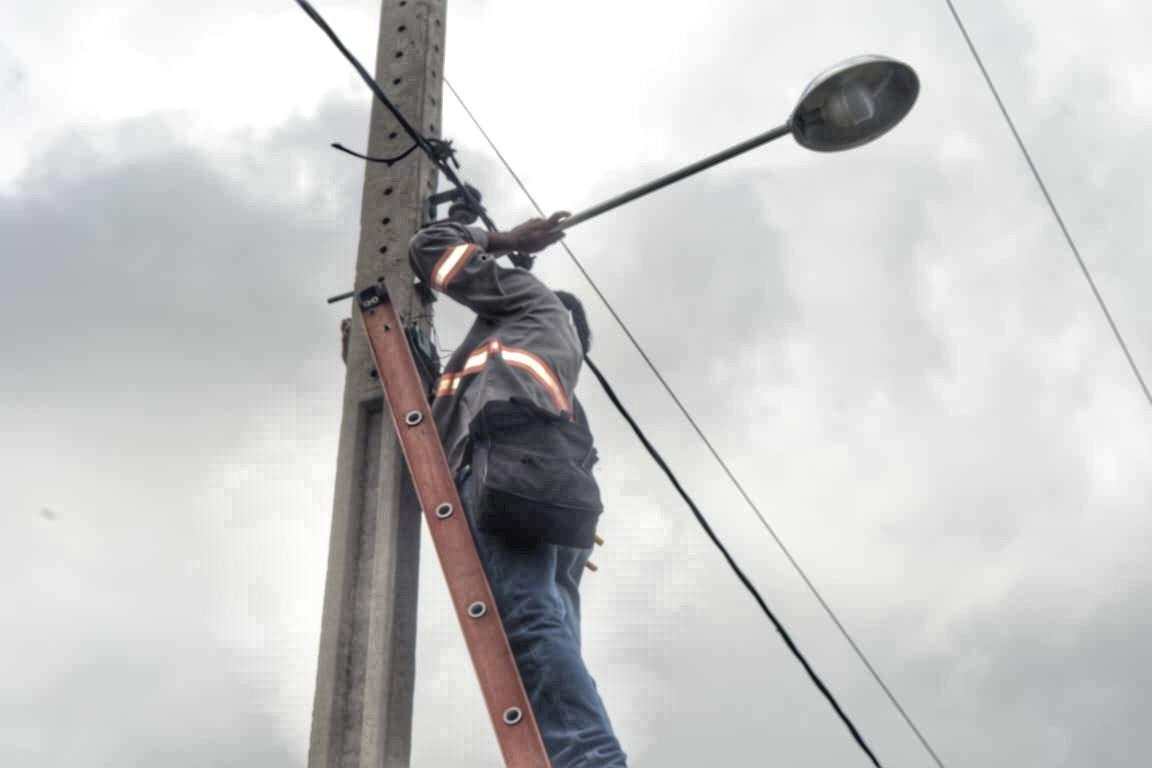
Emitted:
pixel 521 452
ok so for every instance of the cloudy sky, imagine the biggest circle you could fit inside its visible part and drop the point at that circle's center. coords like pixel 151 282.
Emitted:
pixel 893 348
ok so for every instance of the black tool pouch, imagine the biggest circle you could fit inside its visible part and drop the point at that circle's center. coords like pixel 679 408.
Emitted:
pixel 533 474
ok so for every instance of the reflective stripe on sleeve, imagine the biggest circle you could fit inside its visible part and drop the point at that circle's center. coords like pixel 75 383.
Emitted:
pixel 522 358
pixel 449 385
pixel 518 358
pixel 450 264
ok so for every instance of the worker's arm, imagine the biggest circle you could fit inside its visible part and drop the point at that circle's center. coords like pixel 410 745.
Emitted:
pixel 460 262
pixel 532 236
pixel 477 282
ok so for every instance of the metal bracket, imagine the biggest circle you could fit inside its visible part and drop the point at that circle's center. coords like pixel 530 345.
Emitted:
pixel 422 290
pixel 372 297
pixel 461 210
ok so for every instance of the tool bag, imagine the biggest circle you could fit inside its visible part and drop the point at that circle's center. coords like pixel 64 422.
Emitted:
pixel 533 474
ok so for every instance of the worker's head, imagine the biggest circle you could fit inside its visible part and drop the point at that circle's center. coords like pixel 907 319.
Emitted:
pixel 579 319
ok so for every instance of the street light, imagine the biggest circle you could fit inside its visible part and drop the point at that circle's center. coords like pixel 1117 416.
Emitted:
pixel 846 106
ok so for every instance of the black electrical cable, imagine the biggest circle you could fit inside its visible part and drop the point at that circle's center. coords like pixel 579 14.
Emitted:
pixel 731 562
pixel 388 161
pixel 1051 203
pixel 425 145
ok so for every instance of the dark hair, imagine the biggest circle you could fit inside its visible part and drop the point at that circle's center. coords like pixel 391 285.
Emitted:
pixel 579 319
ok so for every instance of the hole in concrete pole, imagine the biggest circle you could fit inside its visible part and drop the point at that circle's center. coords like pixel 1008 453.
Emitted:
pixel 387 190
pixel 402 28
pixel 397 80
pixel 399 54
pixel 392 136
pixel 383 249
pixel 386 221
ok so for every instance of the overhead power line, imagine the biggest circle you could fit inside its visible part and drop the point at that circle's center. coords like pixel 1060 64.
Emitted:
pixel 715 455
pixel 787 637
pixel 1051 203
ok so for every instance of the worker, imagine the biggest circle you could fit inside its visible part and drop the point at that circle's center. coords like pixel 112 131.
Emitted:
pixel 518 443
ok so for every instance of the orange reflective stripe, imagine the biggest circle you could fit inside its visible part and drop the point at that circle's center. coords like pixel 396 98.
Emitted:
pixel 475 361
pixel 518 358
pixel 522 358
pixel 450 264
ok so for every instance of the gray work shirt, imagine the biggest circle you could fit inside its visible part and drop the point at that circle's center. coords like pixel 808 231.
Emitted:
pixel 522 343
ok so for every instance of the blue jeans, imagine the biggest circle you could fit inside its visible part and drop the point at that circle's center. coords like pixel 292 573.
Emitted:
pixel 536 586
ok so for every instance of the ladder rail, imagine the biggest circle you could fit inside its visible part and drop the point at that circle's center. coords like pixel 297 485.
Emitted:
pixel 472 599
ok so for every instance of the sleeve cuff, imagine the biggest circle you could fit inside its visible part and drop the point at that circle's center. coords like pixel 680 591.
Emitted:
pixel 479 236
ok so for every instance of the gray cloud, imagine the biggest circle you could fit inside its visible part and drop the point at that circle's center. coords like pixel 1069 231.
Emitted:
pixel 174 312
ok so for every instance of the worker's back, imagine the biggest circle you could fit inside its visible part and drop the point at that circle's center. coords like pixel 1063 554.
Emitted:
pixel 522 344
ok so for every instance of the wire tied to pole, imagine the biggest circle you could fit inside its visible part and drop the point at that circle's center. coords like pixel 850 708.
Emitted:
pixel 428 146
pixel 439 151
pixel 388 161
pixel 442 147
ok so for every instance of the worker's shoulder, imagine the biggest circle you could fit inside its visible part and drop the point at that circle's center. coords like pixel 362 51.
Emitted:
pixel 440 232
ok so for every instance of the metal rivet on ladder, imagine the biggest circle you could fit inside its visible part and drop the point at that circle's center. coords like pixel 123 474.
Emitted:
pixel 513 715
pixel 476 610
pixel 444 511
pixel 412 418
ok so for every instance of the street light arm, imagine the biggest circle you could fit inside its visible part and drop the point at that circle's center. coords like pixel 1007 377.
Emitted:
pixel 675 176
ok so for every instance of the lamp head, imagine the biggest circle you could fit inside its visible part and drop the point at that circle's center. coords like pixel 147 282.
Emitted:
pixel 853 103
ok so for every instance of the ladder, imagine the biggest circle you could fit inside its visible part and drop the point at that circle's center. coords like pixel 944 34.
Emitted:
pixel 471 595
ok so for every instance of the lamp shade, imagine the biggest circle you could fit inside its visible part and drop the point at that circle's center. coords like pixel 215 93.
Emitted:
pixel 853 103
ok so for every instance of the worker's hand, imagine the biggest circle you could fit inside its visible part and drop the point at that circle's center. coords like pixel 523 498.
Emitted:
pixel 535 235
pixel 345 333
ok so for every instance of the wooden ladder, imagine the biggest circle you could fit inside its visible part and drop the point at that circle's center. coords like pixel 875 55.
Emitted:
pixel 471 595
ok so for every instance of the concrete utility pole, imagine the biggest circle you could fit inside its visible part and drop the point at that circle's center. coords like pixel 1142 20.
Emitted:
pixel 362 716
